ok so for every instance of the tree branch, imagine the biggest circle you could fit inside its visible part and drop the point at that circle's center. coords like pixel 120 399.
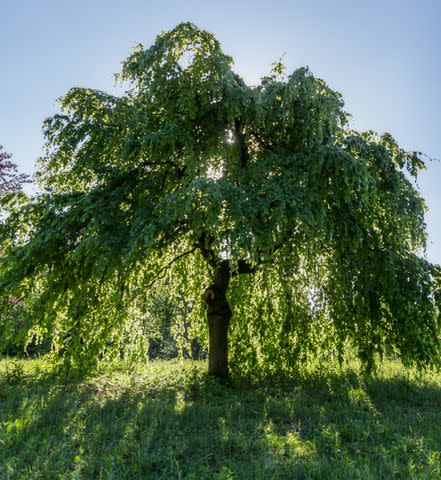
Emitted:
pixel 244 154
pixel 206 251
pixel 169 264
pixel 244 267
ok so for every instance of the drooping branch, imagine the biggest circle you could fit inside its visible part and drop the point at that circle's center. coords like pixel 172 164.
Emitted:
pixel 244 267
pixel 163 270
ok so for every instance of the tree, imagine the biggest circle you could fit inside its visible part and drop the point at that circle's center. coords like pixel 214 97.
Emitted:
pixel 304 232
pixel 10 179
pixel 12 313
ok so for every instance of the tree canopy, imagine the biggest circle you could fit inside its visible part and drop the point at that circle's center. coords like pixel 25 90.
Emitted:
pixel 301 235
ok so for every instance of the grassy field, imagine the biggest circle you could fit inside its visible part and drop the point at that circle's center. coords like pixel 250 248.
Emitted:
pixel 168 420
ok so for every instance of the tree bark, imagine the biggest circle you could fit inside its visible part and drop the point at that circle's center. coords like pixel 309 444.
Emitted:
pixel 218 316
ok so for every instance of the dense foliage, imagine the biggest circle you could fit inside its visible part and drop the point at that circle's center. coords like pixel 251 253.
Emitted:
pixel 312 232
pixel 14 322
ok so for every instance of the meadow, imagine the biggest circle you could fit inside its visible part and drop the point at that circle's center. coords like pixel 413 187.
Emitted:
pixel 169 420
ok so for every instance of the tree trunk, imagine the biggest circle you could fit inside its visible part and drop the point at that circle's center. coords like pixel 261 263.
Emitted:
pixel 218 316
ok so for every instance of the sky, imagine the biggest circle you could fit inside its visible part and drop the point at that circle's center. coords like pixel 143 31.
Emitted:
pixel 383 56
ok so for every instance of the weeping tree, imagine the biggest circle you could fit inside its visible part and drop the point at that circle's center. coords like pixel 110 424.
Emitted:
pixel 291 233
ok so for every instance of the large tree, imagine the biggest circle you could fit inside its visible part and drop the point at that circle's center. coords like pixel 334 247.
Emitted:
pixel 299 233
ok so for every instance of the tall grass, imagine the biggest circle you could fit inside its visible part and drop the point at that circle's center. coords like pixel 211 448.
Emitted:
pixel 167 420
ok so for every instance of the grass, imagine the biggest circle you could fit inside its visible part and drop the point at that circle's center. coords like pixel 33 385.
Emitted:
pixel 167 420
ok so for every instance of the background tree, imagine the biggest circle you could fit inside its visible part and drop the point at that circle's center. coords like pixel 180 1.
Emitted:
pixel 259 198
pixel 10 179
pixel 14 323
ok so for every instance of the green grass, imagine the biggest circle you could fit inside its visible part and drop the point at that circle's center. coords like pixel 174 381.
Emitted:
pixel 168 420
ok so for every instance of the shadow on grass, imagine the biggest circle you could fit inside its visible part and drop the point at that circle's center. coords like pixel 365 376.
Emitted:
pixel 335 426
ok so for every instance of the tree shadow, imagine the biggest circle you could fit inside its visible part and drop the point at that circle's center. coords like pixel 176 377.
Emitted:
pixel 332 426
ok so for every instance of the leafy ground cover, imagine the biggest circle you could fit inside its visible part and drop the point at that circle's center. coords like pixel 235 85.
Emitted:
pixel 168 420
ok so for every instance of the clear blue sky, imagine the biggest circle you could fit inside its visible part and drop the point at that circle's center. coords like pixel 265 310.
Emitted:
pixel 384 57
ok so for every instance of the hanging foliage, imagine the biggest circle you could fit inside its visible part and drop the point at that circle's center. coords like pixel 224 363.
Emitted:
pixel 300 234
